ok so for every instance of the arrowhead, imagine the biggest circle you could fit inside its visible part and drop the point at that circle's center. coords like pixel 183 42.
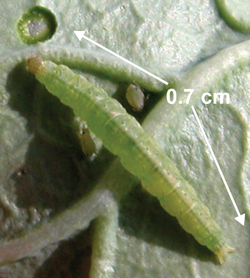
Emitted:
pixel 241 219
pixel 79 34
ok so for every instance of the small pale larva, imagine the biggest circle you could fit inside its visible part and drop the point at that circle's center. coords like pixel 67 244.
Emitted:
pixel 87 143
pixel 139 153
pixel 135 97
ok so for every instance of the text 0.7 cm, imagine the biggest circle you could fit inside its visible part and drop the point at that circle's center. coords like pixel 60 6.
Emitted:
pixel 206 98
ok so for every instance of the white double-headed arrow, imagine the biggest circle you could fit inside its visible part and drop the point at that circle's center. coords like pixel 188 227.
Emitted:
pixel 241 217
pixel 80 35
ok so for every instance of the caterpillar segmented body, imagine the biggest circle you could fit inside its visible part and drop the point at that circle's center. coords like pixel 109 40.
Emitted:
pixel 139 153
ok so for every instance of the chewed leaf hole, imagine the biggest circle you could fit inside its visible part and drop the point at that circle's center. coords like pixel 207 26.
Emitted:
pixel 38 24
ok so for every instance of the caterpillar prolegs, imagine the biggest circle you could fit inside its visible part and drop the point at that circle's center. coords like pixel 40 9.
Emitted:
pixel 139 153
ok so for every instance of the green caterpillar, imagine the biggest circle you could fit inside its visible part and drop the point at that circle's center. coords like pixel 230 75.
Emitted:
pixel 139 153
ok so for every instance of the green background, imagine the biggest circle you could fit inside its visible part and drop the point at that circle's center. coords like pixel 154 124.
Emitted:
pixel 45 178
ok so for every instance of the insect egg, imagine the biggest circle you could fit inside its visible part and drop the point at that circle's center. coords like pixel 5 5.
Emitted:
pixel 135 97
